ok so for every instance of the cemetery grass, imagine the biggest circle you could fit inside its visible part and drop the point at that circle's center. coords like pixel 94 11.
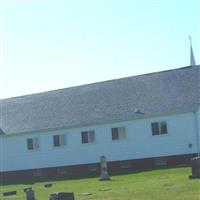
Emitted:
pixel 162 184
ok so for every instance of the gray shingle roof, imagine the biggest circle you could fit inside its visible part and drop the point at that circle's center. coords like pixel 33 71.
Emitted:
pixel 154 94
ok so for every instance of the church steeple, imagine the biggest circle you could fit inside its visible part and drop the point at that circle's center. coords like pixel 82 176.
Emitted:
pixel 192 59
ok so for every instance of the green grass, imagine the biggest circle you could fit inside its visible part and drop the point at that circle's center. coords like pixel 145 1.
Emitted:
pixel 165 184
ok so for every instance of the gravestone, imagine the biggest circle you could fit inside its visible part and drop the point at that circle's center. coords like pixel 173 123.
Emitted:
pixel 104 171
pixel 86 194
pixel 62 196
pixel 48 185
pixel 105 189
pixel 30 194
pixel 53 196
pixel 65 196
pixel 195 164
pixel 28 188
pixel 10 193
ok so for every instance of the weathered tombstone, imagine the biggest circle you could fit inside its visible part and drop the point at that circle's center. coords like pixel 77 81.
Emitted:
pixel 86 194
pixel 53 196
pixel 28 188
pixel 65 196
pixel 104 172
pixel 30 195
pixel 195 164
pixel 48 185
pixel 105 189
pixel 62 196
pixel 10 193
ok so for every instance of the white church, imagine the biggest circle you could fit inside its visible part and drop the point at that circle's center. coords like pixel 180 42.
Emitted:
pixel 139 122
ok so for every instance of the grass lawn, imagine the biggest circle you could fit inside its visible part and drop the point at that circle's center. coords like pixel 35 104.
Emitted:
pixel 165 184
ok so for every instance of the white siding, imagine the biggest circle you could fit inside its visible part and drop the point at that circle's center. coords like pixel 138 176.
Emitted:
pixel 198 121
pixel 197 115
pixel 139 144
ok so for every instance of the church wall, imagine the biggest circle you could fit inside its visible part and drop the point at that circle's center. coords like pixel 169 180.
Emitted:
pixel 139 144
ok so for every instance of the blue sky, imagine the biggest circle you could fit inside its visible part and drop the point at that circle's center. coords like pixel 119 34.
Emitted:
pixel 46 45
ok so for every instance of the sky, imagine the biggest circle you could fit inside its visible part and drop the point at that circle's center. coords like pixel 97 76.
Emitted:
pixel 53 44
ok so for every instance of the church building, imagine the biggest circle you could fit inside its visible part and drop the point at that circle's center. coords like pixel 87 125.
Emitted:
pixel 138 123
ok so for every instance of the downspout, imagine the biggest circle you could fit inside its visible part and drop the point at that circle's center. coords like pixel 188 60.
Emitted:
pixel 197 124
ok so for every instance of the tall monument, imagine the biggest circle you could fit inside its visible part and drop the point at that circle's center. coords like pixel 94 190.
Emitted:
pixel 104 171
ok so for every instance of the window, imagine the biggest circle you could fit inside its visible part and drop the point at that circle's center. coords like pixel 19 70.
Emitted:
pixel 118 133
pixel 37 172
pixel 32 143
pixel 61 171
pixel 125 164
pixel 161 161
pixel 92 167
pixel 159 128
pixel 59 140
pixel 88 137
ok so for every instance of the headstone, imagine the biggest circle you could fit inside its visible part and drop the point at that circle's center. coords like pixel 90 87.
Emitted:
pixel 86 194
pixel 28 188
pixel 53 196
pixel 62 196
pixel 10 193
pixel 30 194
pixel 48 185
pixel 105 189
pixel 104 172
pixel 65 196
pixel 195 164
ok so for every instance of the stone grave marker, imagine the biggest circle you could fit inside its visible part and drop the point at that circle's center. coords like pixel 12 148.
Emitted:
pixel 9 193
pixel 53 196
pixel 30 194
pixel 48 185
pixel 62 196
pixel 28 188
pixel 86 194
pixel 104 171
pixel 65 196
pixel 195 165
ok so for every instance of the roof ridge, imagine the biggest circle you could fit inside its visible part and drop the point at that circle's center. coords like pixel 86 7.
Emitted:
pixel 100 82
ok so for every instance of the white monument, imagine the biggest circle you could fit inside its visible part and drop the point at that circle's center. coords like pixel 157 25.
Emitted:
pixel 104 172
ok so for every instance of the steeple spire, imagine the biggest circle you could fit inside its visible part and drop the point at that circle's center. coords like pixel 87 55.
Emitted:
pixel 192 59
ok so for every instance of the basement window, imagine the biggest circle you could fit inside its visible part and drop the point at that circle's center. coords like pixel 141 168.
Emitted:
pixel 161 161
pixel 92 167
pixel 159 128
pixel 37 173
pixel 125 164
pixel 61 171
